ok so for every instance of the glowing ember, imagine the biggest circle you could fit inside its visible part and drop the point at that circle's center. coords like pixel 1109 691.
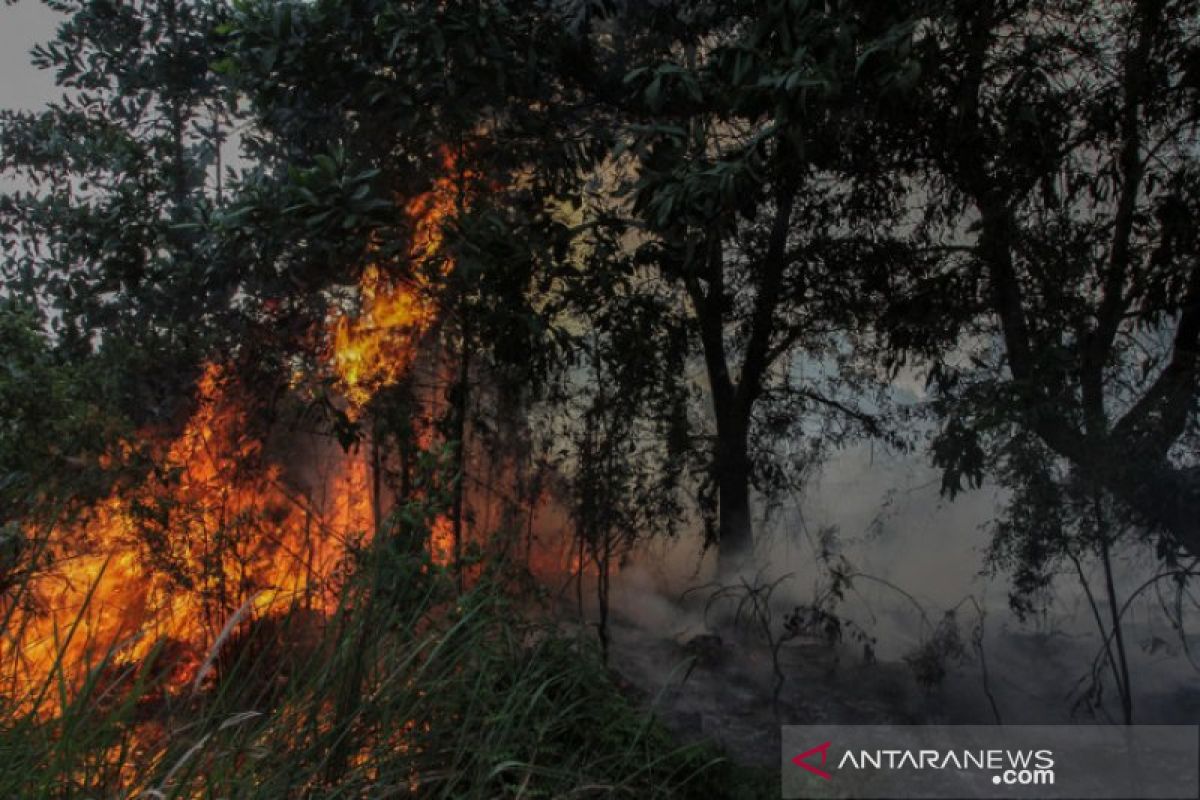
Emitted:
pixel 441 541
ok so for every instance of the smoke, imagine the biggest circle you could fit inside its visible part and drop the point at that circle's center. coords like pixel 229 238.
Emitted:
pixel 889 521
pixel 914 555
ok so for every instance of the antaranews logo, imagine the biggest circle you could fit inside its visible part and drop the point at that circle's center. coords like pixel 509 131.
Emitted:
pixel 918 762
pixel 1009 767
pixel 801 760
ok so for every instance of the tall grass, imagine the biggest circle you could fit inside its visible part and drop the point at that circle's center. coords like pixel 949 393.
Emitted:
pixel 411 689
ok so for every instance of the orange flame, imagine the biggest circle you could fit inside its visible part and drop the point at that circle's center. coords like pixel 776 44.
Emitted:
pixel 216 533
pixel 172 559
pixel 376 348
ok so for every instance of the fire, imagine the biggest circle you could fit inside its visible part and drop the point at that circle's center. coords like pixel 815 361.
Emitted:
pixel 171 560
pixel 376 347
pixel 219 532
pixel 441 541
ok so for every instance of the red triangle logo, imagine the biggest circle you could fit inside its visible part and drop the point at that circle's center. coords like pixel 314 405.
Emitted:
pixel 800 761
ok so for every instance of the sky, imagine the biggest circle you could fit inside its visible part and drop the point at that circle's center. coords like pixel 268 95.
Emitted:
pixel 21 27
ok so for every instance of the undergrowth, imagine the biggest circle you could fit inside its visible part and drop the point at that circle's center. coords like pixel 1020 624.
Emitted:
pixel 411 689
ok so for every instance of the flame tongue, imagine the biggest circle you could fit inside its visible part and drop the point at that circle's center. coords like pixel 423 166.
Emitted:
pixel 376 348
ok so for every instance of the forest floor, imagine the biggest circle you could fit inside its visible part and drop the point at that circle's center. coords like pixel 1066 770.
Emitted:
pixel 720 687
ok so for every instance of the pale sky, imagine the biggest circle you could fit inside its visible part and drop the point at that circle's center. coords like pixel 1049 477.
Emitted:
pixel 23 25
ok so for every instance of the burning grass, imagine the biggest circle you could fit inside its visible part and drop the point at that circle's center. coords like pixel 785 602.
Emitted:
pixel 214 535
pixel 411 689
pixel 211 534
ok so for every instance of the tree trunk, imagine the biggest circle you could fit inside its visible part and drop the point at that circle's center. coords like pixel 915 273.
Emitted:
pixel 461 404
pixel 733 486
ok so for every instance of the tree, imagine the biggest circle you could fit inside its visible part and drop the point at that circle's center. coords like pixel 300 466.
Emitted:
pixel 757 198
pixel 115 180
pixel 424 98
pixel 760 186
pixel 1060 143
pixel 59 417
